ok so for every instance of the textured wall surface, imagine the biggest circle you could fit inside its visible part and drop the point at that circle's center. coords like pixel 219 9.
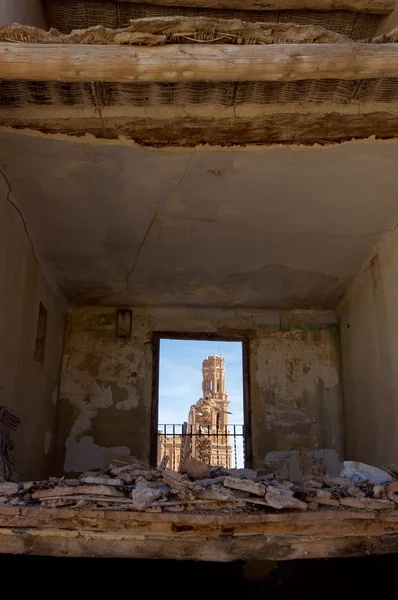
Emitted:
pixel 105 401
pixel 27 386
pixel 26 12
pixel 218 226
pixel 369 342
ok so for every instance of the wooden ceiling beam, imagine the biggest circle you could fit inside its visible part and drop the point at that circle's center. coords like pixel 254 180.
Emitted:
pixel 197 62
pixel 369 6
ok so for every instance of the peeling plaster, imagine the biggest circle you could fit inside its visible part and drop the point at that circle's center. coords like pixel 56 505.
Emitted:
pixel 102 376
pixel 295 388
pixel 293 465
pixel 85 455
pixel 300 409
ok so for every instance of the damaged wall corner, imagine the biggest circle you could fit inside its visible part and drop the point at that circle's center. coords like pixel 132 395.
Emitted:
pixel 369 334
pixel 28 387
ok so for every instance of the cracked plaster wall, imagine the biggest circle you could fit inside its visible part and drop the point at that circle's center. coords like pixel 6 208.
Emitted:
pixel 369 346
pixel 29 388
pixel 105 399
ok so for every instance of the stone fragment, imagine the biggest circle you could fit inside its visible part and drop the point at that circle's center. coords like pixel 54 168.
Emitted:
pixel 354 491
pixel 328 501
pixel 392 487
pixel 284 487
pixel 208 481
pixel 142 498
pixel 154 485
pixel 3 499
pixel 196 469
pixel 313 506
pixel 215 492
pixel 378 490
pixel 325 494
pixel 101 481
pixel 330 481
pixel 8 488
pixel 177 508
pixel 367 503
pixel 245 485
pixel 81 490
pixel 243 473
pixel 277 500
pixel 312 483
pixel 92 474
pixel 240 494
pixel 392 497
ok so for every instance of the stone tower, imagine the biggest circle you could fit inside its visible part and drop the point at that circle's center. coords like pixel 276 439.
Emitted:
pixel 205 436
pixel 213 387
pixel 208 418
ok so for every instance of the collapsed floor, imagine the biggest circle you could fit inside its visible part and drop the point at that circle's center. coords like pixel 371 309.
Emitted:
pixel 139 487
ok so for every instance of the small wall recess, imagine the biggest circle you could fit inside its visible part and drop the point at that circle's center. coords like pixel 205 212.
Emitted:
pixel 124 319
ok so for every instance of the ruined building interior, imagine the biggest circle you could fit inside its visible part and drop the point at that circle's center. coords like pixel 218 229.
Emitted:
pixel 221 169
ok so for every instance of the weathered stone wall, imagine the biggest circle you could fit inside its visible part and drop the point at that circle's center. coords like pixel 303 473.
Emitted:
pixel 28 387
pixel 369 342
pixel 105 400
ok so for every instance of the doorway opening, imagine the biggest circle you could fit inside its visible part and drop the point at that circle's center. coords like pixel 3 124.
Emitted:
pixel 200 402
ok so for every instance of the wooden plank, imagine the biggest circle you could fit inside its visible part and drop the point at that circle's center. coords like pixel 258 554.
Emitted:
pixel 326 522
pixel 186 62
pixel 225 548
pixel 371 6
pixel 290 127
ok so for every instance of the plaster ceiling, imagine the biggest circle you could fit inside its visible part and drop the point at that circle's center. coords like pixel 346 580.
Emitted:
pixel 271 227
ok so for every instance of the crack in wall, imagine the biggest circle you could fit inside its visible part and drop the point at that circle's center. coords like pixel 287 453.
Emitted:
pixel 18 210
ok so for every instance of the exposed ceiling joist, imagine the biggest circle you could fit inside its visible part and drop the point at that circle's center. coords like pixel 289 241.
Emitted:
pixel 371 6
pixel 184 63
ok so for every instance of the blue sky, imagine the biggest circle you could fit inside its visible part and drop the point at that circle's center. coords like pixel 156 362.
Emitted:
pixel 180 379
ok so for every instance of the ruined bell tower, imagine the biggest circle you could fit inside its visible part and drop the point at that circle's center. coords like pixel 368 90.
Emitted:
pixel 213 387
pixel 213 369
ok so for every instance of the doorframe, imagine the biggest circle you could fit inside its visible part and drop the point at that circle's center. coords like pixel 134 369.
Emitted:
pixel 210 337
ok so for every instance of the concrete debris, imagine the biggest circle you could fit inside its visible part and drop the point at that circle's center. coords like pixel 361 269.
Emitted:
pixel 275 498
pixel 327 501
pixel 367 503
pixel 138 487
pixel 392 488
pixel 215 492
pixel 100 481
pixel 143 497
pixel 8 488
pixel 378 490
pixel 243 473
pixel 245 485
pixel 196 469
pixel 357 471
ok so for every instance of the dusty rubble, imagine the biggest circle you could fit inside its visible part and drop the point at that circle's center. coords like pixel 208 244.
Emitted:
pixel 138 487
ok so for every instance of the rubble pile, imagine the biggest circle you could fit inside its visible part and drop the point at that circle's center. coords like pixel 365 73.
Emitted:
pixel 201 487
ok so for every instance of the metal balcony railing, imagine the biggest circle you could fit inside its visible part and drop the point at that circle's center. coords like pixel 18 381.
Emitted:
pixel 223 446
